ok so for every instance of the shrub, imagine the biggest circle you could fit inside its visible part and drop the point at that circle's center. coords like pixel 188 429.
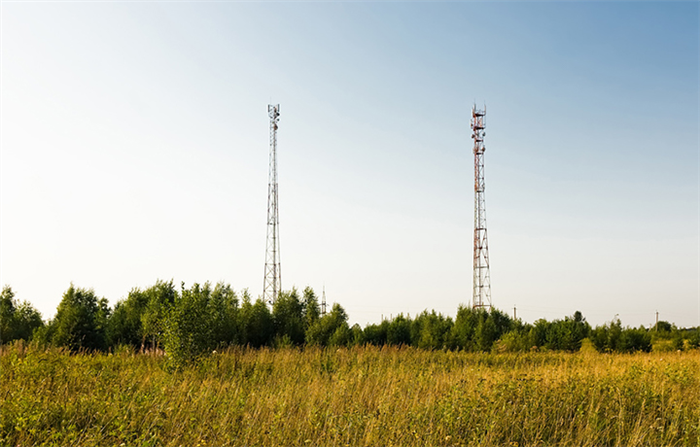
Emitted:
pixel 514 341
pixel 189 330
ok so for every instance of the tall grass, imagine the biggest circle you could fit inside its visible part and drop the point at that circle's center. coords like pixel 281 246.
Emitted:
pixel 358 396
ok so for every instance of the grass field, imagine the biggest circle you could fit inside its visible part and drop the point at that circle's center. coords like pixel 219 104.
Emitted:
pixel 357 396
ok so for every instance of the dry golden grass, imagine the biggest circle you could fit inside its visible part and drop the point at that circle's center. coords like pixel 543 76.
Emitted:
pixel 358 396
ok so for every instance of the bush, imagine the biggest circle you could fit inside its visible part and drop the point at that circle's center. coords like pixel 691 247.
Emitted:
pixel 514 341
pixel 632 340
pixel 694 338
pixel 612 337
pixel 663 346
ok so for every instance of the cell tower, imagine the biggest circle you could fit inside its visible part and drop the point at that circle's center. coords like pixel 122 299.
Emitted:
pixel 273 275
pixel 323 302
pixel 482 279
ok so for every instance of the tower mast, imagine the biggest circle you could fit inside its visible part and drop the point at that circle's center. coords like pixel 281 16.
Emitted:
pixel 272 284
pixel 481 297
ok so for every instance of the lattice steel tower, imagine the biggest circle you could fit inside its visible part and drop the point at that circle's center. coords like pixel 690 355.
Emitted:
pixel 482 278
pixel 273 275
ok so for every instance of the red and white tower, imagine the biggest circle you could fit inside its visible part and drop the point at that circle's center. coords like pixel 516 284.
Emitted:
pixel 273 275
pixel 481 298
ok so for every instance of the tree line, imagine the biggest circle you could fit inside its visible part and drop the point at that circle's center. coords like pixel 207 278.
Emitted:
pixel 189 322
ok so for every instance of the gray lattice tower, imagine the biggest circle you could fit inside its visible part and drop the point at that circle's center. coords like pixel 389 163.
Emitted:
pixel 273 275
pixel 481 296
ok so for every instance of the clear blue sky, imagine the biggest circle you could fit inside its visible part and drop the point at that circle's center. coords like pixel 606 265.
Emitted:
pixel 135 147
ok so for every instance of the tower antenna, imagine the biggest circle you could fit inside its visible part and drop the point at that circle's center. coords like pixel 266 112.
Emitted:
pixel 272 284
pixel 481 297
pixel 323 302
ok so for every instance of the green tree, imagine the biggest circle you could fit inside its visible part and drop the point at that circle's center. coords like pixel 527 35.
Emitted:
pixel 358 336
pixel 256 322
pixel 632 340
pixel 677 339
pixel 139 320
pixel 540 332
pixel 399 331
pixel 515 340
pixel 663 326
pixel 565 334
pixel 160 298
pixel 579 330
pixel 312 312
pixel 431 330
pixel 288 317
pixel 612 337
pixel 225 315
pixel 694 337
pixel 7 315
pixel 17 321
pixel 486 333
pixel 342 336
pixel 490 327
pixel 80 321
pixel 27 320
pixel 376 334
pixel 125 326
pixel 189 330
pixel 331 329
pixel 464 329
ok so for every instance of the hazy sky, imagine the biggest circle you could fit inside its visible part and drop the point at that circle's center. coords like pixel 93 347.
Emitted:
pixel 135 148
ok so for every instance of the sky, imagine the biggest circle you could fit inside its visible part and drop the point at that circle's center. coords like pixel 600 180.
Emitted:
pixel 135 144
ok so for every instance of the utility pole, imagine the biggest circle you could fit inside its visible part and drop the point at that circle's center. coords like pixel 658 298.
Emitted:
pixel 514 317
pixel 656 325
pixel 481 297
pixel 272 285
